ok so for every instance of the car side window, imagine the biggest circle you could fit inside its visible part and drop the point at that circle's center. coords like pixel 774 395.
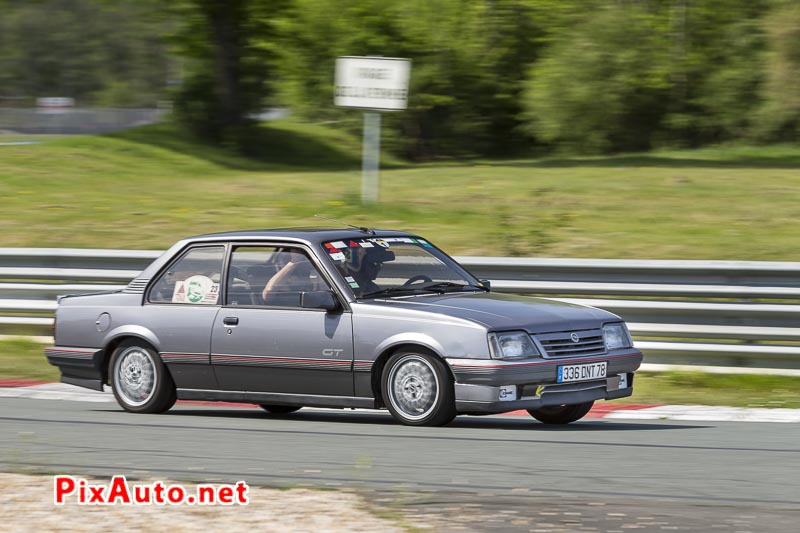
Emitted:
pixel 271 276
pixel 193 279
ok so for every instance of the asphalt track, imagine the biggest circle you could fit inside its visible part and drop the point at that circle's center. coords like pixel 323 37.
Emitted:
pixel 479 473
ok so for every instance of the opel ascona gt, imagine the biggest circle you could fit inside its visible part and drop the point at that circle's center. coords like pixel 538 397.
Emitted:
pixel 338 318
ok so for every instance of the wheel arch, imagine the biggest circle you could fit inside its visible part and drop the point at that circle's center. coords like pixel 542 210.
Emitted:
pixel 387 353
pixel 117 337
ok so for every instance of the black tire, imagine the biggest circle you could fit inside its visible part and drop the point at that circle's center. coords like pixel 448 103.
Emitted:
pixel 417 389
pixel 139 379
pixel 561 414
pixel 280 409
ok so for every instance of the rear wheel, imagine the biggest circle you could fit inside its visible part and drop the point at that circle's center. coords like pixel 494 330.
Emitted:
pixel 139 379
pixel 417 389
pixel 280 409
pixel 561 414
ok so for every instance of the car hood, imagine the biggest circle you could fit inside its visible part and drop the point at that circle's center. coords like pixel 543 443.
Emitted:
pixel 505 311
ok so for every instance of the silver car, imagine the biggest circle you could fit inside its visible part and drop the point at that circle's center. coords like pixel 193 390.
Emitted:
pixel 338 318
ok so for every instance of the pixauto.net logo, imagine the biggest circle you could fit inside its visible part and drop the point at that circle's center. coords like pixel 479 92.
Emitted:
pixel 69 489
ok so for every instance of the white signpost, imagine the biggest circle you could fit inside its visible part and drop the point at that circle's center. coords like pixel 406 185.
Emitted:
pixel 377 84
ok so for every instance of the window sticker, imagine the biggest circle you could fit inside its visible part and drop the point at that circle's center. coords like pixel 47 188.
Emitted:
pixel 354 244
pixel 381 242
pixel 196 289
pixel 425 243
pixel 366 244
pixel 338 256
pixel 179 296
pixel 351 281
pixel 338 244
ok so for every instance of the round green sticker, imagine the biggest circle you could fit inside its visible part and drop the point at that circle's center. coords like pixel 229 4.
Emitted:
pixel 195 291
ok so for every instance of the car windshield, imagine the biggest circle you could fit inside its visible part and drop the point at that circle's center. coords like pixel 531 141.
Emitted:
pixel 397 266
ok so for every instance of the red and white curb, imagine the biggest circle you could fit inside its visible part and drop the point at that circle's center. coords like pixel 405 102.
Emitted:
pixel 697 413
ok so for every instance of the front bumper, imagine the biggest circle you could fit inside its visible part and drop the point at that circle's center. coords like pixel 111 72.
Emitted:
pixel 481 385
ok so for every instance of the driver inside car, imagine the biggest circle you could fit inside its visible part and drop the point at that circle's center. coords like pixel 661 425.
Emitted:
pixel 364 265
pixel 296 274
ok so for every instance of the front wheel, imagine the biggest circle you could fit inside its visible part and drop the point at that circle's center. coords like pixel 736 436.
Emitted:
pixel 561 414
pixel 280 409
pixel 139 379
pixel 417 390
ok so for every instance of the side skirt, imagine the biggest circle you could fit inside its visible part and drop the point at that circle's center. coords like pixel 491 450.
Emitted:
pixel 306 400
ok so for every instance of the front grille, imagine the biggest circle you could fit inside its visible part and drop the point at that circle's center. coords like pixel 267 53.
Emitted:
pixel 560 344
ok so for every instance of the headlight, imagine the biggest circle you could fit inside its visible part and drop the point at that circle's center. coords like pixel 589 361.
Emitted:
pixel 616 336
pixel 511 345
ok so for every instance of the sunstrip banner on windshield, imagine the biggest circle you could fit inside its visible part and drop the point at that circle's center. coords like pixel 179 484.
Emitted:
pixel 335 247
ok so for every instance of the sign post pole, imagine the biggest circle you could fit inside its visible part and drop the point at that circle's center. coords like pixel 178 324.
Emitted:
pixel 370 162
pixel 373 84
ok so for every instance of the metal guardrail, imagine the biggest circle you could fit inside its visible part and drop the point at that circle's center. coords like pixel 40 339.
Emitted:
pixel 76 120
pixel 719 313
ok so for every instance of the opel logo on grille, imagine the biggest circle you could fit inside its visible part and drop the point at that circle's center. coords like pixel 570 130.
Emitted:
pixel 574 337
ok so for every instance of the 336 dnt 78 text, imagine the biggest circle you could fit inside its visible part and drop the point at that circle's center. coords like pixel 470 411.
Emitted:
pixel 118 491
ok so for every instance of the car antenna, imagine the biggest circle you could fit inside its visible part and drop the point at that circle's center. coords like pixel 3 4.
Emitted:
pixel 359 228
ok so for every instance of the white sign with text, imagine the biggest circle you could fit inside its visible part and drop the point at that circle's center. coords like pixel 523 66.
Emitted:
pixel 372 82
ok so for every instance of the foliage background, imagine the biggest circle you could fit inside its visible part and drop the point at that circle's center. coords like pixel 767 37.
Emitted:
pixel 489 77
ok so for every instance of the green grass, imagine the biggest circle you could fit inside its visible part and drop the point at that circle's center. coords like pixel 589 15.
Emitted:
pixel 146 188
pixel 23 359
pixel 737 390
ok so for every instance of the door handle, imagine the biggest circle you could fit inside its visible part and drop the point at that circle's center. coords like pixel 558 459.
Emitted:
pixel 230 321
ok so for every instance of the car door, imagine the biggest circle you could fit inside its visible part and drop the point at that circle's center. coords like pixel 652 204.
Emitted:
pixel 180 309
pixel 264 341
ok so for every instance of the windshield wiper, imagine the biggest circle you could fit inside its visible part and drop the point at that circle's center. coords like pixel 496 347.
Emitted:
pixel 438 288
pixel 400 290
pixel 444 285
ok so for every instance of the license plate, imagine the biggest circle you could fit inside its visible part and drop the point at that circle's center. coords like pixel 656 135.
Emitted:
pixel 582 372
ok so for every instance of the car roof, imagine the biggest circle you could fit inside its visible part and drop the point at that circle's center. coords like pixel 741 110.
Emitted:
pixel 313 234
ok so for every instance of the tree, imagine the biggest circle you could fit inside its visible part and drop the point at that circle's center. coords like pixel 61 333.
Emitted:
pixel 107 53
pixel 229 51
pixel 603 84
pixel 468 63
pixel 631 75
pixel 780 113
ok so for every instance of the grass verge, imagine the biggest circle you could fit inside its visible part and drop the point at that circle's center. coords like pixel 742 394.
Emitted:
pixel 23 359
pixel 735 390
pixel 147 187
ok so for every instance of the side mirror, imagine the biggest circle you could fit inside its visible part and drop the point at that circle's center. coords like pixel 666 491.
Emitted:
pixel 486 283
pixel 319 300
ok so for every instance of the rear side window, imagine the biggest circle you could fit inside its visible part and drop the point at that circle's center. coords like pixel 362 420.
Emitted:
pixel 193 279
